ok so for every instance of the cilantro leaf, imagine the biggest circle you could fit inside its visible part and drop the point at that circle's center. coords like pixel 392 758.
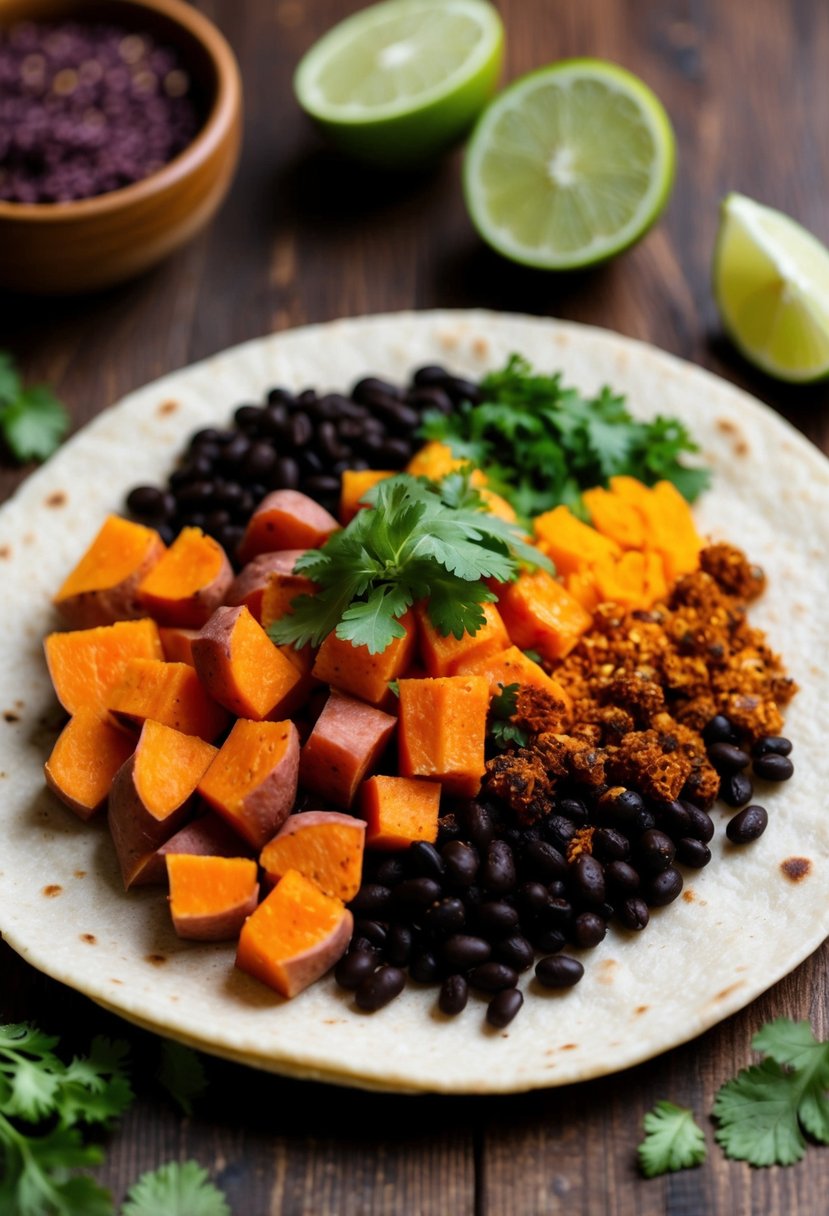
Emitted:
pixel 673 1141
pixel 182 1074
pixel 9 380
pixel 32 421
pixel 502 731
pixel 175 1189
pixel 763 1112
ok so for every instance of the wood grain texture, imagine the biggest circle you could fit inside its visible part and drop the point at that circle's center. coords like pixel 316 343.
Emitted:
pixel 304 237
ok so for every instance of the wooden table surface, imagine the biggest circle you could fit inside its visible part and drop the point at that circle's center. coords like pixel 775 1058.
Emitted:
pixel 305 237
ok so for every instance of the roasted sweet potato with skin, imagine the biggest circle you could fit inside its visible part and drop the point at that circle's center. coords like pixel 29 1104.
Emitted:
pixel 295 935
pixel 177 643
pixel 279 594
pixel 249 585
pixel 252 782
pixel 346 742
pixel 354 484
pixel 442 731
pixel 87 755
pixel 189 582
pixel 207 836
pixel 211 897
pixel 241 668
pixel 443 656
pixel 353 670
pixel 399 810
pixel 325 846
pixel 85 665
pixel 170 693
pixel 512 666
pixel 286 519
pixel 152 793
pixel 103 586
pixel 542 615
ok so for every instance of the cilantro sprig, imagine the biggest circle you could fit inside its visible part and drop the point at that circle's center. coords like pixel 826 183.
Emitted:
pixel 32 420
pixel 501 729
pixel 541 443
pixel 175 1189
pixel 422 540
pixel 673 1141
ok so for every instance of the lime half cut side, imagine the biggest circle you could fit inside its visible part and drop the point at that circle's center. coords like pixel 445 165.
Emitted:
pixel 399 82
pixel 771 282
pixel 569 165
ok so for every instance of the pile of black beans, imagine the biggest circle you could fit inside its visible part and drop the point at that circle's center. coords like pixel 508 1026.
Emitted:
pixel 477 908
pixel 769 760
pixel 294 441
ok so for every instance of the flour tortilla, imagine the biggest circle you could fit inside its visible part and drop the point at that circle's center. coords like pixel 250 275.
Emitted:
pixel 744 922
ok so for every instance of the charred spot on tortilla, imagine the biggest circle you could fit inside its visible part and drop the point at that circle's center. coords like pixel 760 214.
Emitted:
pixel 89 938
pixel 166 408
pixel 688 895
pixel 58 498
pixel 52 890
pixel 80 873
pixel 480 347
pixel 796 868
pixel 157 960
pixel 5 551
pixel 640 1009
pixel 10 716
pixel 720 996
pixel 569 1047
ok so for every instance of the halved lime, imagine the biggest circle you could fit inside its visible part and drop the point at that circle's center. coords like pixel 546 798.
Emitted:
pixel 569 165
pixel 401 81
pixel 771 283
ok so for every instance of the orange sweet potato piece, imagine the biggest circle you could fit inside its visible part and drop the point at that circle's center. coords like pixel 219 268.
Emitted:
pixel 615 517
pixel 286 519
pixel 152 793
pixel 443 656
pixel 207 836
pixel 252 782
pixel 84 760
pixel 189 582
pixel 345 743
pixel 241 668
pixel 177 643
pixel 249 585
pixel 353 670
pixel 582 587
pixel 442 730
pixel 636 580
pixel 496 505
pixel 356 483
pixel 325 846
pixel 86 664
pixel 280 591
pixel 541 615
pixel 669 524
pixel 399 810
pixel 103 586
pixel 571 544
pixel 170 693
pixel 436 459
pixel 211 897
pixel 512 666
pixel 295 935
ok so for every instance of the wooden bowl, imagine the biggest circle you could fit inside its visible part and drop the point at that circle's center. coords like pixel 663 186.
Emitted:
pixel 59 248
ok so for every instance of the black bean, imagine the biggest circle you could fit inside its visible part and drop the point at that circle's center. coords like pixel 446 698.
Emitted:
pixel 720 730
pixel 354 967
pixel 461 863
pixel 557 889
pixel 492 977
pixel 417 892
pixel 234 453
pixel 306 398
pixel 424 967
pixel 394 452
pixel 496 917
pixel 773 767
pixel 195 493
pixel 621 878
pixel 430 397
pixel 328 443
pixel 498 874
pixel 150 503
pixel 398 949
pixel 558 971
pixel 532 898
pixel 736 789
pixel 633 913
pixel 322 485
pixel 477 820
pixel 700 823
pixel 542 860
pixel 378 989
pixel 367 390
pixel 454 993
pixel 371 900
pixel 622 807
pixel 656 851
pixel 503 1007
pixel 692 852
pixel 558 912
pixel 230 539
pixel 777 745
pixel 727 758
pixel 673 818
pixel 573 809
pixel 431 374
pixel 517 952
pixel 247 418
pixel 587 880
pixel 359 943
pixel 280 396
pixel 389 871
pixel 464 951
pixel 285 474
pixel 588 929
pixel 559 830
pixel 424 859
pixel 301 430
pixel 547 940
pixel 664 888
pixel 444 917
pixel 463 390
pixel 214 521
pixel 373 930
pixel 747 825
pixel 610 845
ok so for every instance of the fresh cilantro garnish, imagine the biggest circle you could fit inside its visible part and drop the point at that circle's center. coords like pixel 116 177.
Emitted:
pixel 422 540
pixel 37 1088
pixel 673 1141
pixel 502 731
pixel 540 444
pixel 181 1073
pixel 533 655
pixel 175 1189
pixel 764 1112
pixel 32 420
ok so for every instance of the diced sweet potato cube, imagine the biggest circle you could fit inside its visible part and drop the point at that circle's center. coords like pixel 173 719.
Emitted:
pixel 635 580
pixel 248 587
pixel 399 810
pixel 86 664
pixel 669 524
pixel 295 935
pixel 356 483
pixel 541 615
pixel 325 846
pixel 512 666
pixel 102 588
pixel 286 519
pixel 85 759
pixel 582 587
pixel 443 656
pixel 280 592
pixel 189 582
pixel 252 782
pixel 170 693
pixel 211 897
pixel 570 543
pixel 615 517
pixel 241 668
pixel 177 643
pixel 207 836
pixel 442 731
pixel 496 505
pixel 435 459
pixel 353 670
pixel 346 742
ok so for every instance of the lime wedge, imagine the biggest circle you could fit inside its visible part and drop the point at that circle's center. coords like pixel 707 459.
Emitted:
pixel 400 82
pixel 569 165
pixel 771 282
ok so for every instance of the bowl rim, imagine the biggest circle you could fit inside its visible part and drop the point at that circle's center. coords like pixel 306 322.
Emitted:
pixel 223 113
